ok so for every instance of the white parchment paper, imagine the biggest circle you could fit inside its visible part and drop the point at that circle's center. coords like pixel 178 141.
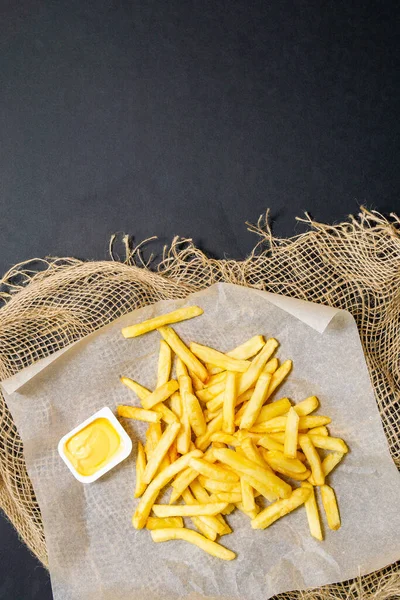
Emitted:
pixel 95 553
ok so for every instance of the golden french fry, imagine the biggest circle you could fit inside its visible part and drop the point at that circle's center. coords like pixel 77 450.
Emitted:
pixel 228 497
pixel 139 414
pixel 291 434
pixel 209 393
pixel 153 489
pixel 245 466
pixel 329 503
pixel 274 409
pixel 274 457
pixel 140 467
pixel 163 523
pixel 271 366
pixel 133 385
pixel 327 442
pixel 249 513
pixel 217 522
pixel 151 324
pixel 187 476
pixel 185 384
pixel 242 352
pixel 224 438
pixel 195 414
pixel 183 352
pixel 164 364
pixel 313 458
pixel 181 369
pixel 328 464
pixel 184 437
pixel 173 452
pixel 307 406
pixel 214 486
pixel 160 394
pixel 319 431
pixel 314 522
pixel 219 359
pixel 228 409
pixel 188 510
pixel 160 451
pixel 197 383
pixel 249 378
pixel 217 377
pixel 255 403
pixel 268 442
pixel 249 449
pixel 165 413
pixel 215 425
pixel 242 434
pixel 278 424
pixel 175 403
pixel 209 416
pixel 247 495
pixel 153 436
pixel 277 378
pixel 201 523
pixel 163 535
pixel 213 471
pixel 280 508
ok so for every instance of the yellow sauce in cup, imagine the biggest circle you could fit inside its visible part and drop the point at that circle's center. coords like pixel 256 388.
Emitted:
pixel 91 448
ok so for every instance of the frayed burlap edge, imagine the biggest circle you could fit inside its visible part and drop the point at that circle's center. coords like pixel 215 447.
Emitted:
pixel 355 265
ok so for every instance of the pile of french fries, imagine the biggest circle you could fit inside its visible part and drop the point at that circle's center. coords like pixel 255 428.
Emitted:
pixel 217 438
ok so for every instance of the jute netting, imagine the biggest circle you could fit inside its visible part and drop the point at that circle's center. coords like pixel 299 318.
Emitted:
pixel 355 266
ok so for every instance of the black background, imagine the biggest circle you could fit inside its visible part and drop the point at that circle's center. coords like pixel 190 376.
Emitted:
pixel 169 117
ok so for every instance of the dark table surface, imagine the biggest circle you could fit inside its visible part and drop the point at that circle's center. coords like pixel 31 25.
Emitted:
pixel 163 118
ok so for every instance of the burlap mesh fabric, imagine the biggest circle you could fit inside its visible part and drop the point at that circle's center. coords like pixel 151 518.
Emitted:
pixel 355 266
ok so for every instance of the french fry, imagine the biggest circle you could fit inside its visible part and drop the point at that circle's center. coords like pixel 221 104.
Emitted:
pixel 314 522
pixel 307 406
pixel 213 471
pixel 209 393
pixel 160 451
pixel 140 467
pixel 328 464
pixel 163 523
pixel 209 416
pixel 248 379
pixel 219 359
pixel 313 458
pixel 269 443
pixel 181 369
pixel 153 436
pixel 243 352
pixel 242 434
pixel 291 434
pixel 139 414
pixel 153 489
pixel 197 383
pixel 187 476
pixel 193 537
pixel 249 449
pixel 160 394
pixel 274 457
pixel 329 503
pixel 202 496
pixel 249 513
pixel 175 403
pixel 183 352
pixel 247 467
pixel 201 523
pixel 327 442
pixel 188 510
pixel 228 497
pixel 133 385
pixel 216 378
pixel 247 495
pixel 164 364
pixel 280 508
pixel 165 413
pixel 184 436
pixel 278 424
pixel 319 431
pixel 214 486
pixel 255 403
pixel 173 452
pixel 278 377
pixel 176 316
pixel 225 438
pixel 274 409
pixel 195 414
pixel 228 409
pixel 185 384
pixel 215 425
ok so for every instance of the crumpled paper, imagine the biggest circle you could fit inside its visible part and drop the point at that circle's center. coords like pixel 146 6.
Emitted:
pixel 94 553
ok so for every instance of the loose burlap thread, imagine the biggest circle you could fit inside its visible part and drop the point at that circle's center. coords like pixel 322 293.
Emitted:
pixel 355 266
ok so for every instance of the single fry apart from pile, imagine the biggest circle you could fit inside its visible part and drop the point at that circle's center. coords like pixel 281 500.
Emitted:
pixel 221 440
